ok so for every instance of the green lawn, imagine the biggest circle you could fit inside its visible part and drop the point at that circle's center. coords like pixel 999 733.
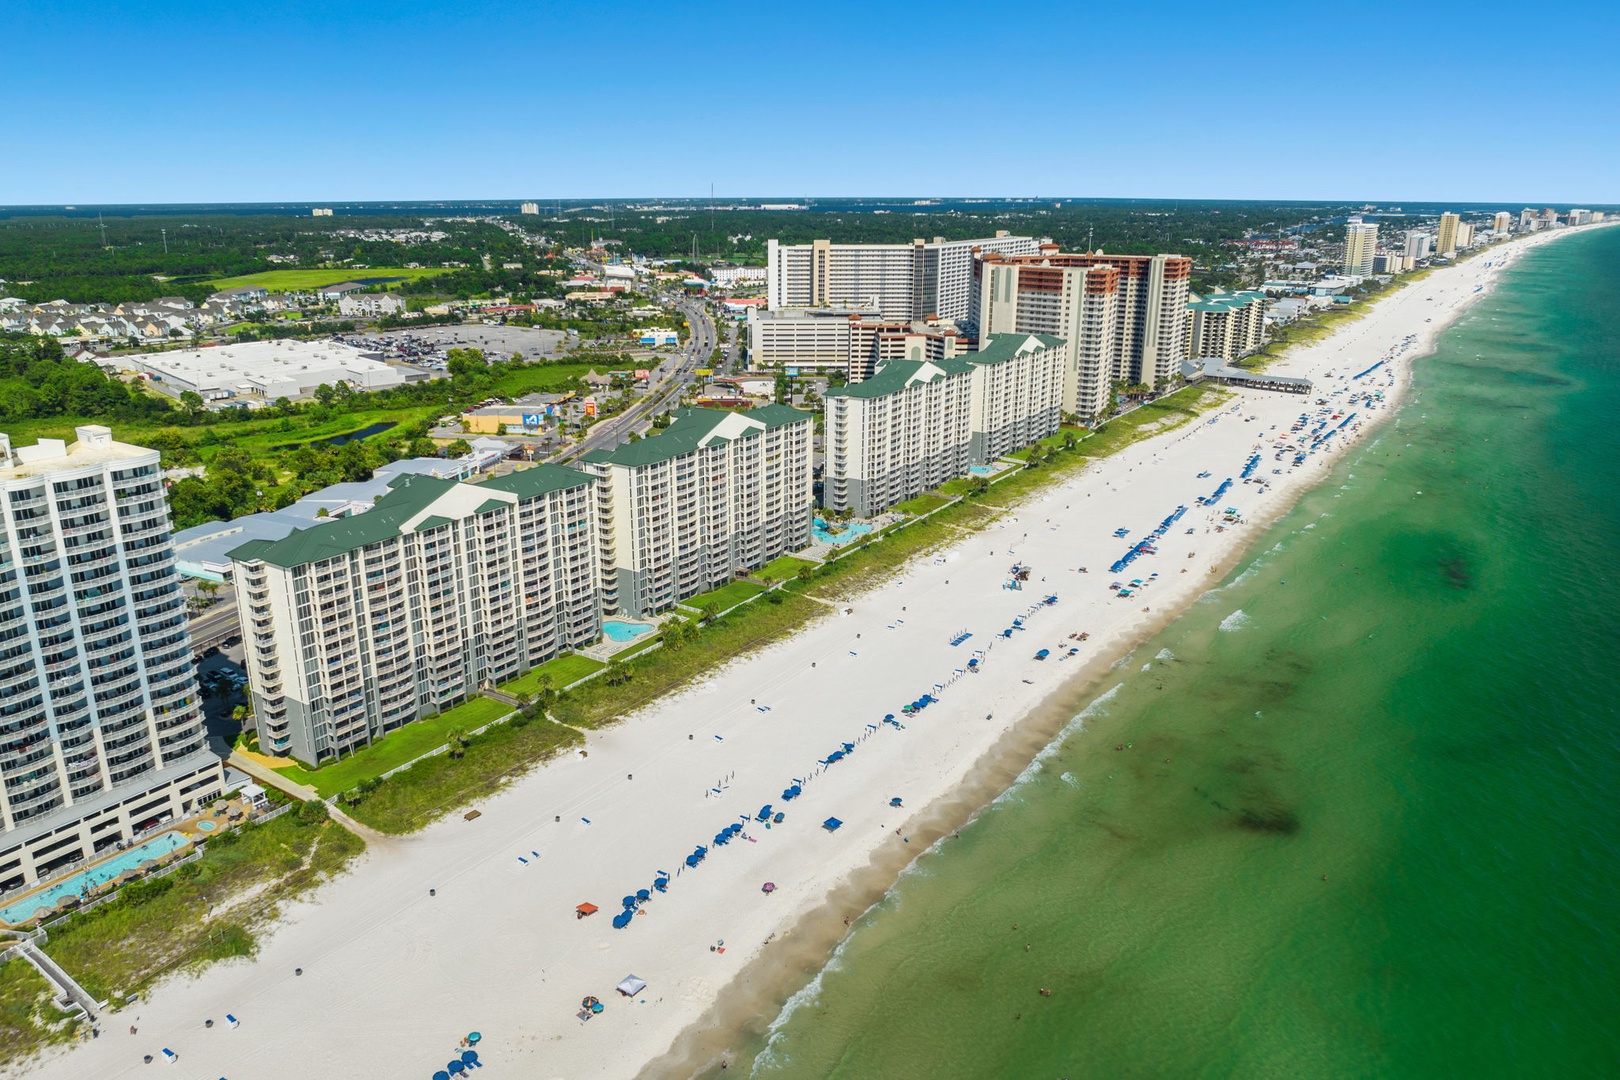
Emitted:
pixel 396 748
pixel 726 596
pixel 562 670
pixel 925 503
pixel 301 280
pixel 780 568
pixel 154 928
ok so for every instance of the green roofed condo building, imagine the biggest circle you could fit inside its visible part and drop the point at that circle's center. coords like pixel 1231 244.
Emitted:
pixel 918 423
pixel 101 730
pixel 713 495
pixel 361 624
pixel 1230 325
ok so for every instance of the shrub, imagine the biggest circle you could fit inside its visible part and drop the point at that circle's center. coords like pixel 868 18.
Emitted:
pixel 313 812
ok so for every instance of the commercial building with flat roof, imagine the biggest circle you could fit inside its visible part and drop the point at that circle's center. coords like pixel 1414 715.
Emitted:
pixel 920 280
pixel 101 725
pixel 267 370
pixel 714 495
pixel 361 624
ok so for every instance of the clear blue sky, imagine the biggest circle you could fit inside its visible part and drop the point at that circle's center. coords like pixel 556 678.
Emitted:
pixel 114 101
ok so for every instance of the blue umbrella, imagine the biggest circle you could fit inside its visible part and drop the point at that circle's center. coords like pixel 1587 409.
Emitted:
pixel 661 883
pixel 622 920
pixel 470 1057
pixel 441 1075
pixel 629 901
pixel 456 1067
pixel 643 894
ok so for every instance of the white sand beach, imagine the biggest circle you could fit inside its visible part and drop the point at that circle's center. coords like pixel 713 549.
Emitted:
pixel 393 978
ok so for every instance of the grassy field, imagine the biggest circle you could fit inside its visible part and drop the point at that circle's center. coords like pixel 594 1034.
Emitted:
pixel 154 928
pixel 561 670
pixel 28 1020
pixel 396 748
pixel 726 596
pixel 780 569
pixel 302 280
pixel 432 788
pixel 926 503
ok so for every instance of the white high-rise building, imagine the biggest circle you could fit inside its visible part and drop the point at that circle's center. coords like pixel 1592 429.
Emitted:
pixel 1360 242
pixel 101 726
pixel 714 494
pixel 1229 325
pixel 916 424
pixel 1419 245
pixel 898 434
pixel 359 625
pixel 529 208
pixel 920 280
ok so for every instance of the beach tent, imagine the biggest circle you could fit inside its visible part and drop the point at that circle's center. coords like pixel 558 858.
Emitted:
pixel 832 824
pixel 586 909
pixel 630 986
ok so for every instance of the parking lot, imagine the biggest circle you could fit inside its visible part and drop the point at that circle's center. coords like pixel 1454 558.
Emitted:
pixel 427 344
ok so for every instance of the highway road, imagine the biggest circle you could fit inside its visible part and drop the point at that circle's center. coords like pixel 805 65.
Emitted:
pixel 215 625
pixel 665 386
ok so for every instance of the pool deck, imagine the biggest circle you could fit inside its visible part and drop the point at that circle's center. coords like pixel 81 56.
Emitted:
pixel 187 829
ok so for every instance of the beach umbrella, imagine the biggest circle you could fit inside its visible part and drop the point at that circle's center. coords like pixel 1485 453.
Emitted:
pixel 661 883
pixel 587 909
pixel 470 1056
pixel 456 1067
pixel 441 1075
pixel 622 919
pixel 643 894
pixel 629 901
pixel 768 887
pixel 895 801
pixel 474 1037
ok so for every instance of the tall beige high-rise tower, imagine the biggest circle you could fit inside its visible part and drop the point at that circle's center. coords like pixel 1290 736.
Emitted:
pixel 1360 240
pixel 1446 242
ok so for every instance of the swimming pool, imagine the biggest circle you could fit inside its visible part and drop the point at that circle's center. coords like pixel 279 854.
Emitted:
pixel 840 534
pixel 618 630
pixel 155 848
pixel 981 470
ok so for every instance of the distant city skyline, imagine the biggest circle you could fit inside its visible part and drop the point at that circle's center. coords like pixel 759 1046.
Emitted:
pixel 273 103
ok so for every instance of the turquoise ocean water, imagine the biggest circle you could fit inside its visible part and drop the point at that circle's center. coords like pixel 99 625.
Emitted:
pixel 1368 823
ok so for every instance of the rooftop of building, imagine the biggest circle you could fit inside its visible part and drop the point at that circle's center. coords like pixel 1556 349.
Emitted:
pixel 211 546
pixel 693 429
pixel 1221 300
pixel 896 375
pixel 95 446
pixel 999 348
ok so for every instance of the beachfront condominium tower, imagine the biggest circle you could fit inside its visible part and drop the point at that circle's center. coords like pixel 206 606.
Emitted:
pixel 1446 241
pixel 1228 325
pixel 1502 223
pixel 1078 303
pixel 917 423
pixel 1360 242
pixel 359 625
pixel 101 725
pixel 1419 245
pixel 713 495
pixel 920 280
pixel 1148 314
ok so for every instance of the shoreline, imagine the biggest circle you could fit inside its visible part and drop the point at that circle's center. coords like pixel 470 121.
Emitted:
pixel 392 978
pixel 768 985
